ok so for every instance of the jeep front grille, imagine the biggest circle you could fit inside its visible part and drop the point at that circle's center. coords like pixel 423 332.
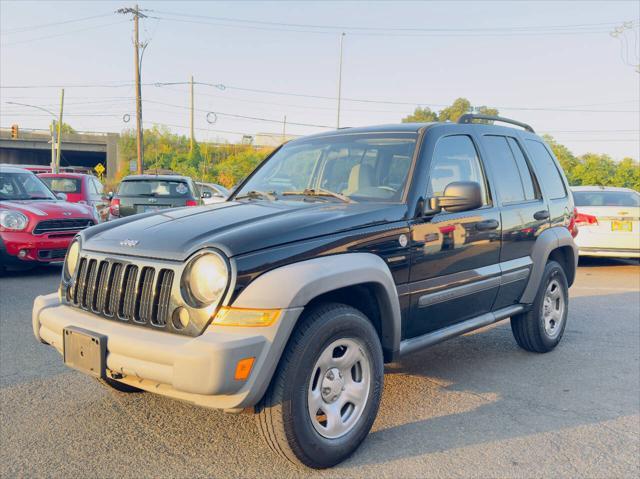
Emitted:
pixel 139 294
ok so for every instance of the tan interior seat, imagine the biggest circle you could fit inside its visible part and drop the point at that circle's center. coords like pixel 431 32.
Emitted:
pixel 361 176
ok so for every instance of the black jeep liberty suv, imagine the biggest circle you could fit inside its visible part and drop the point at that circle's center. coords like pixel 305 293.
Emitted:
pixel 341 252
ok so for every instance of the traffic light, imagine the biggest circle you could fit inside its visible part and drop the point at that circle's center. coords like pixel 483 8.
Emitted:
pixel 14 131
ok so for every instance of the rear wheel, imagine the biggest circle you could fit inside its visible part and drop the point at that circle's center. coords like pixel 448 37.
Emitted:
pixel 541 328
pixel 325 394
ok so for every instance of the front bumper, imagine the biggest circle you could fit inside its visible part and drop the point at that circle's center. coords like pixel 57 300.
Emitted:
pixel 38 248
pixel 199 370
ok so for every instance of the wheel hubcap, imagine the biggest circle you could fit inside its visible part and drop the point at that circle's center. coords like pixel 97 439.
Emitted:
pixel 339 388
pixel 553 306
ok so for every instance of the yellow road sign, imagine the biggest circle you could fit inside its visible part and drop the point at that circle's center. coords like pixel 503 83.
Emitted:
pixel 99 168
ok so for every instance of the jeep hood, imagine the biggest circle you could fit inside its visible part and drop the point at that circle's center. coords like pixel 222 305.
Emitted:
pixel 234 227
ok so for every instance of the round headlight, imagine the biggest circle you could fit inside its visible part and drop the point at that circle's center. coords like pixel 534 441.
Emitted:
pixel 13 220
pixel 71 262
pixel 207 279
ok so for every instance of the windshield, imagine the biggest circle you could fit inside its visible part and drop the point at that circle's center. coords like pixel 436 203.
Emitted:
pixel 356 167
pixel 606 198
pixel 23 186
pixel 62 185
pixel 178 189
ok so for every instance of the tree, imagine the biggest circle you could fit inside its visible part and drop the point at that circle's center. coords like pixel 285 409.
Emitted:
pixel 458 108
pixel 594 169
pixel 421 115
pixel 451 113
pixel 628 174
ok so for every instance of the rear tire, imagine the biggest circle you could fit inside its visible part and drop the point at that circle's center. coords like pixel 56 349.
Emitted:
pixel 540 329
pixel 118 386
pixel 325 393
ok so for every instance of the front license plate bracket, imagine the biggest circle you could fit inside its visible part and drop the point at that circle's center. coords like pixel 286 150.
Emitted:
pixel 85 351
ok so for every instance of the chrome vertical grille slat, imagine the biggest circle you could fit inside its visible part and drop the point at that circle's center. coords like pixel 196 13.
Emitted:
pixel 113 292
pixel 100 298
pixel 119 289
pixel 163 295
pixel 128 300
pixel 90 288
pixel 145 295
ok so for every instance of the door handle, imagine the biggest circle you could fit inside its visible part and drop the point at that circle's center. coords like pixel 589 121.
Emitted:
pixel 541 215
pixel 487 225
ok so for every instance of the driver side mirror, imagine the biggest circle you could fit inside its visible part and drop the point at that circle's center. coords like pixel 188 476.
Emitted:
pixel 61 196
pixel 458 196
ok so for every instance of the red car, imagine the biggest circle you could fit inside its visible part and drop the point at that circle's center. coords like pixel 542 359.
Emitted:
pixel 35 225
pixel 79 188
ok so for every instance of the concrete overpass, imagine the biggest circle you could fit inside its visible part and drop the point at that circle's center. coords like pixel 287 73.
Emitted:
pixel 85 150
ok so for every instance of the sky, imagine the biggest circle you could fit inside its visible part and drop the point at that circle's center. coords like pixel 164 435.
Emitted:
pixel 552 64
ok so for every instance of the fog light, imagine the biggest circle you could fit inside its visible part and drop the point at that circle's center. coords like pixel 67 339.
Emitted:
pixel 180 318
pixel 22 253
pixel 243 369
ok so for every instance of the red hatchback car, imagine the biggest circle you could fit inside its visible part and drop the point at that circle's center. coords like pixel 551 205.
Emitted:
pixel 36 226
pixel 79 188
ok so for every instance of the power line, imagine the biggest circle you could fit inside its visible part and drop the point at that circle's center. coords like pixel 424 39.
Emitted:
pixel 61 34
pixel 604 26
pixel 9 31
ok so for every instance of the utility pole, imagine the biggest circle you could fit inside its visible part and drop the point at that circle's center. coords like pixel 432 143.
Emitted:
pixel 340 80
pixel 59 148
pixel 191 120
pixel 137 14
pixel 284 129
pixel 53 145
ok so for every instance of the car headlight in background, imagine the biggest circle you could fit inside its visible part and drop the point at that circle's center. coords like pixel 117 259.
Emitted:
pixel 71 261
pixel 206 278
pixel 13 220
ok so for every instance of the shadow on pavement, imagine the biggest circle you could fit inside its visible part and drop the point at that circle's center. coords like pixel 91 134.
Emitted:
pixel 482 388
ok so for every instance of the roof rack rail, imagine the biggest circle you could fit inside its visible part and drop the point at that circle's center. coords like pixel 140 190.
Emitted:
pixel 469 117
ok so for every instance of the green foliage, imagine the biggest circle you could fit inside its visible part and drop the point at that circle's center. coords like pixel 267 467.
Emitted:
pixel 451 113
pixel 166 151
pixel 596 169
pixel 421 115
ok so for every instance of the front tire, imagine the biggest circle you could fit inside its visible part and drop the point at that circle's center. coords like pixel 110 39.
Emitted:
pixel 540 329
pixel 326 391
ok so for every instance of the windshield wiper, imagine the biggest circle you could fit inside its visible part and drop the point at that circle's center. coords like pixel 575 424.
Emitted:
pixel 319 192
pixel 255 194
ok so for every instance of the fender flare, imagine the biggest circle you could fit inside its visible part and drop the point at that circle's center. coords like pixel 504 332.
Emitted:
pixel 295 285
pixel 549 240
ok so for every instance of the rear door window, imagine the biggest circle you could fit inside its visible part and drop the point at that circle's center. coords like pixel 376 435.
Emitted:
pixel 546 169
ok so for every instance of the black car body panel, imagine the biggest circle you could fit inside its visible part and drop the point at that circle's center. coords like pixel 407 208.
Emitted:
pixel 485 253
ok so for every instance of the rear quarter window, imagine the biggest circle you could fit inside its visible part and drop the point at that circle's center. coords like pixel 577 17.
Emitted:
pixel 546 170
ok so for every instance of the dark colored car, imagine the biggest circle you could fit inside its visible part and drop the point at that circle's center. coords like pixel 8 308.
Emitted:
pixel 341 252
pixel 147 193
pixel 79 188
pixel 35 226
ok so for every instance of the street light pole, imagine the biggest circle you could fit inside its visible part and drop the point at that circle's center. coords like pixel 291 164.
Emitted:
pixel 52 128
pixel 340 80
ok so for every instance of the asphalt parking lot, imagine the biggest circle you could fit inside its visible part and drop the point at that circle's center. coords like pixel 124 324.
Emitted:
pixel 476 406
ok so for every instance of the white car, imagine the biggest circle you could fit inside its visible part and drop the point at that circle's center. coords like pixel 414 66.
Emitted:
pixel 608 221
pixel 212 193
